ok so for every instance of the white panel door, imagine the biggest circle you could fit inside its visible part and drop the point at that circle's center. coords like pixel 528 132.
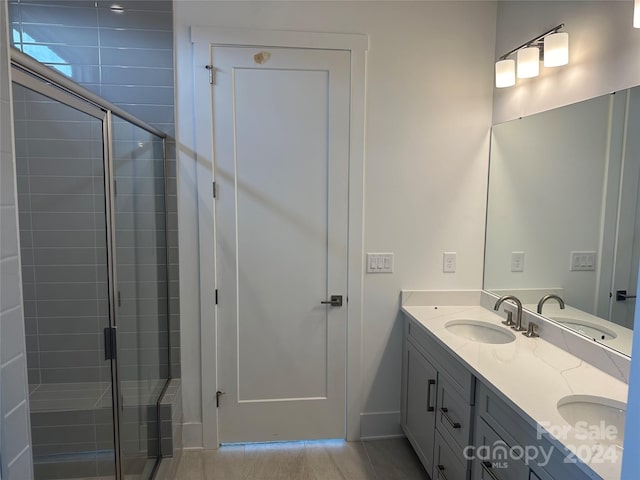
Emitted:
pixel 627 249
pixel 281 154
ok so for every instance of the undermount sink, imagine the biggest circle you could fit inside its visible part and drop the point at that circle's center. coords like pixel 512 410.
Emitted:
pixel 478 331
pixel 590 329
pixel 595 416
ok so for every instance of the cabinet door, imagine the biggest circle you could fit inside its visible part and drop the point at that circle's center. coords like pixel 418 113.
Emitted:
pixel 420 412
pixel 492 460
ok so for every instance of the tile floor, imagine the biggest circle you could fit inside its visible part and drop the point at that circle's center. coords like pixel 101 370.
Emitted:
pixel 391 459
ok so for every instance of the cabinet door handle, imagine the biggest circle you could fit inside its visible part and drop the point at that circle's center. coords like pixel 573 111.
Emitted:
pixel 441 472
pixel 429 384
pixel 486 466
pixel 445 414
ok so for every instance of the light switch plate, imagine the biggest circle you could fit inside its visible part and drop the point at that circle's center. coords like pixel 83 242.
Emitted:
pixel 379 262
pixel 583 261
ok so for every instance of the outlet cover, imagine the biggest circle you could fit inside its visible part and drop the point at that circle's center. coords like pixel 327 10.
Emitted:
pixel 449 262
pixel 517 261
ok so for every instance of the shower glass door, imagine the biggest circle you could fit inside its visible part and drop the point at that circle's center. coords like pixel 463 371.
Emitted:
pixel 141 278
pixel 64 240
pixel 91 201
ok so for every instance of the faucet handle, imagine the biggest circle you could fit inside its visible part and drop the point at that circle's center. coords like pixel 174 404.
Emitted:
pixel 531 330
pixel 509 321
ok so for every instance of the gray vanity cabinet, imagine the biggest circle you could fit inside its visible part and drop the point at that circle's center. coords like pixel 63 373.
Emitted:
pixel 499 424
pixel 462 429
pixel 437 404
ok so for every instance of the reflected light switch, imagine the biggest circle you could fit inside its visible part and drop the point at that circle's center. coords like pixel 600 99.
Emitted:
pixel 583 261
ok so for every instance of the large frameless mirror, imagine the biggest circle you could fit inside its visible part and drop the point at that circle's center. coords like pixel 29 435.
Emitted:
pixel 562 214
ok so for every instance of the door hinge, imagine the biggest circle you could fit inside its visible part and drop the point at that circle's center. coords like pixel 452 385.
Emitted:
pixel 110 336
pixel 218 395
pixel 214 190
pixel 119 299
pixel 212 74
pixel 115 188
pixel 216 296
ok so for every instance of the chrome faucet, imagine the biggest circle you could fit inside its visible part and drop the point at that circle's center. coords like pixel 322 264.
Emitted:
pixel 518 326
pixel 549 297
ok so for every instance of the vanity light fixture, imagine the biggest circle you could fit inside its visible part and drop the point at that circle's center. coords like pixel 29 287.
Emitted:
pixel 636 14
pixel 528 62
pixel 505 73
pixel 552 47
pixel 556 49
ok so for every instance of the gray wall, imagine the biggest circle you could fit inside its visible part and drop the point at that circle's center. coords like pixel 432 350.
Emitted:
pixel 127 58
pixel 15 442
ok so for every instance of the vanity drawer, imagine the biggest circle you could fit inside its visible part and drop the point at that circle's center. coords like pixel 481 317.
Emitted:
pixel 454 415
pixel 501 416
pixel 447 464
pixel 494 462
pixel 461 378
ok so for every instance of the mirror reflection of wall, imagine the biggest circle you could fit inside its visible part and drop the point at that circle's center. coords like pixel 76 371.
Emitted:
pixel 562 213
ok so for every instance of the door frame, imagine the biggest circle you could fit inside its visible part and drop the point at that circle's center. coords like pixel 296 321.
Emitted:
pixel 202 39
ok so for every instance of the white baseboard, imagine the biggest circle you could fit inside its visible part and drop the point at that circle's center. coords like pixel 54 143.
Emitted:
pixel 192 436
pixel 377 425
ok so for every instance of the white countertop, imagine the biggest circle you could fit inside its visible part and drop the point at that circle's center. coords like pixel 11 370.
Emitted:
pixel 531 374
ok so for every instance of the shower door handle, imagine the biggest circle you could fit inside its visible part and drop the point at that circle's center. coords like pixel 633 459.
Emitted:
pixel 110 337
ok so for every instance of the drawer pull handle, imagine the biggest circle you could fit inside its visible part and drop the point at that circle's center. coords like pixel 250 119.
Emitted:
pixel 445 414
pixel 486 466
pixel 429 384
pixel 441 472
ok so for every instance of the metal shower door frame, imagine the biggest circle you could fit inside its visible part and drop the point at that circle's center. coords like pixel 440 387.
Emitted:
pixel 35 76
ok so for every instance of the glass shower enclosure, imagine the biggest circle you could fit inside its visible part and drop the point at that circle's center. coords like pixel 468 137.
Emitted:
pixel 91 201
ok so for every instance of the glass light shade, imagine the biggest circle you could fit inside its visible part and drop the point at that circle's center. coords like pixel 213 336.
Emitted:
pixel 528 62
pixel 505 73
pixel 636 14
pixel 556 49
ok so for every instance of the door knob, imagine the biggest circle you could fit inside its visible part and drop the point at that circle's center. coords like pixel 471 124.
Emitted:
pixel 335 301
